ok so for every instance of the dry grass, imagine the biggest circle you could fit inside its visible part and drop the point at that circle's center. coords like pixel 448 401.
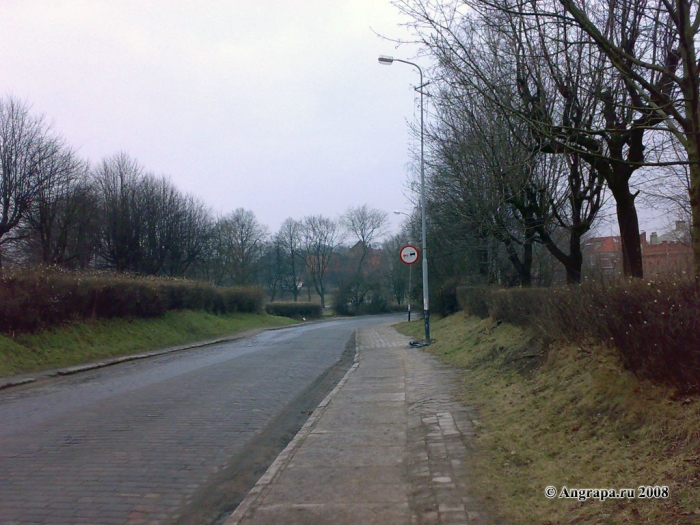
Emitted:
pixel 653 325
pixel 570 417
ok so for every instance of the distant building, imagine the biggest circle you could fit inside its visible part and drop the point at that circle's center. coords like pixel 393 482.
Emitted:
pixel 662 255
pixel 667 254
pixel 602 255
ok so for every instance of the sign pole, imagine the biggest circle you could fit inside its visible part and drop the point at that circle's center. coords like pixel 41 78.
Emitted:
pixel 410 269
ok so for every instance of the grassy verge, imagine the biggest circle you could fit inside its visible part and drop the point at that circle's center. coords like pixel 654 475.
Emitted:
pixel 92 340
pixel 570 417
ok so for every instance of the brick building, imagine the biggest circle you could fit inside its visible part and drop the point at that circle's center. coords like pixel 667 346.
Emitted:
pixel 602 255
pixel 662 255
pixel 668 254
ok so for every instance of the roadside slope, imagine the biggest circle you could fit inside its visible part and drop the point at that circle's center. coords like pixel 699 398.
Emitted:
pixel 569 416
pixel 83 342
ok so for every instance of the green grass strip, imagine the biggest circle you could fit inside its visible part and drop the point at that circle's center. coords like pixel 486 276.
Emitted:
pixel 84 342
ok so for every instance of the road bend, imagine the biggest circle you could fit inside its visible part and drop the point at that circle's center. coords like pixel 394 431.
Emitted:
pixel 178 438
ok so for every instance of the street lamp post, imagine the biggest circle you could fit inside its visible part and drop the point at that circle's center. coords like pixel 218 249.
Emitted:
pixel 387 61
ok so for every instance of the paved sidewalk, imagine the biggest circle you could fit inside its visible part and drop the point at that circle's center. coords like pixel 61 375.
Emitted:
pixel 387 447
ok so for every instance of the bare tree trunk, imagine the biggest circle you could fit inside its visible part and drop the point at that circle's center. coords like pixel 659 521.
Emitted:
pixel 695 207
pixel 526 275
pixel 524 266
pixel 573 269
pixel 629 235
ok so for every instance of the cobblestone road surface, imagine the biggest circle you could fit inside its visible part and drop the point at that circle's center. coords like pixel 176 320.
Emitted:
pixel 389 446
pixel 130 444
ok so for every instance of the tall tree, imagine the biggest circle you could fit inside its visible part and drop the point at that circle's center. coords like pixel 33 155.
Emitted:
pixel 485 173
pixel 542 70
pixel 159 208
pixel 240 242
pixel 654 44
pixel 579 105
pixel 272 265
pixel 365 225
pixel 62 221
pixel 291 252
pixel 192 225
pixel 25 145
pixel 479 175
pixel 117 180
pixel 320 237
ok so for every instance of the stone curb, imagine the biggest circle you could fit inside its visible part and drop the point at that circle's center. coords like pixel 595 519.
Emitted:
pixel 286 456
pixel 10 382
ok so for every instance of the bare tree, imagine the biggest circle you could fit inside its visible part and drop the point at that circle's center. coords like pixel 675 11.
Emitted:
pixel 117 180
pixel 272 266
pixel 157 211
pixel 530 60
pixel 654 46
pixel 669 194
pixel 240 240
pixel 320 237
pixel 291 252
pixel 62 221
pixel 192 226
pixel 366 225
pixel 478 178
pixel 25 145
pixel 485 174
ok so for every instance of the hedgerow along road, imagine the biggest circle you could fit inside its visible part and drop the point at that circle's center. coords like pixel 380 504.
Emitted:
pixel 179 438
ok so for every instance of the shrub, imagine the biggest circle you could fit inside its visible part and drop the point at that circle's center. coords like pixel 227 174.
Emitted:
pixel 36 299
pixel 341 301
pixel 475 300
pixel 517 306
pixel 377 305
pixel 445 302
pixel 373 300
pixel 654 326
pixel 295 310
pixel 403 308
pixel 571 313
pixel 244 299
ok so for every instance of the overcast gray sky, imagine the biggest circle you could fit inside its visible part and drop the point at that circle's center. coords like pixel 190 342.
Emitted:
pixel 277 106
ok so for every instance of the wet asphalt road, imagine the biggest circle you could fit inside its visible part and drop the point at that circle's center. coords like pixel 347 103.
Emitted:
pixel 138 443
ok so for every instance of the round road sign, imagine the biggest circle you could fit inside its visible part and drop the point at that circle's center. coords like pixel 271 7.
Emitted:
pixel 409 254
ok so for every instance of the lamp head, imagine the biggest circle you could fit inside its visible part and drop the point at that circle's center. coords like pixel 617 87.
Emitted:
pixel 387 61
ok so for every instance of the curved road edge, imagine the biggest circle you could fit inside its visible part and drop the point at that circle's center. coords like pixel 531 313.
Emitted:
pixel 24 379
pixel 285 456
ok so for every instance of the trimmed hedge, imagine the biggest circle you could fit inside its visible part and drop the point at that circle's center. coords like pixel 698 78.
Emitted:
pixel 475 300
pixel 518 306
pixel 38 299
pixel 654 325
pixel 295 310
